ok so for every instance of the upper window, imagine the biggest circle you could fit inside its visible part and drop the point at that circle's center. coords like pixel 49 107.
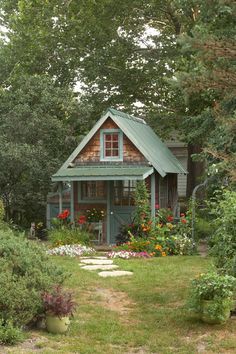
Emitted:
pixel 111 145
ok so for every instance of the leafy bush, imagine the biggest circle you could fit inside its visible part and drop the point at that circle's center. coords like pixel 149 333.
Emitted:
pixel 183 245
pixel 10 334
pixel 142 203
pixel 210 286
pixel 224 238
pixel 203 228
pixel 26 272
pixel 69 236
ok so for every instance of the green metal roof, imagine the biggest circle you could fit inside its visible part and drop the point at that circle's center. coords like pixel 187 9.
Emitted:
pixel 142 136
pixel 84 173
pixel 150 145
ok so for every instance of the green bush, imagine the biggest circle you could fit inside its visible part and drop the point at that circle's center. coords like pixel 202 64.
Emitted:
pixel 69 236
pixel 26 273
pixel 10 334
pixel 203 228
pixel 224 238
pixel 210 286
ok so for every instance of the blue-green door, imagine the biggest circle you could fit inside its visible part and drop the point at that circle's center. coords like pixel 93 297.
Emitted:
pixel 122 206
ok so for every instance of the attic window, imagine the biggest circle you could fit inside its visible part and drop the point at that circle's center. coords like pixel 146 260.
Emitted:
pixel 111 145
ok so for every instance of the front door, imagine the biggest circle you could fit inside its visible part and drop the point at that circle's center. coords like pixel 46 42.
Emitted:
pixel 122 206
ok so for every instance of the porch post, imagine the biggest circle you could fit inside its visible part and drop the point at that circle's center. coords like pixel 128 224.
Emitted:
pixel 60 196
pixel 108 212
pixel 72 213
pixel 153 195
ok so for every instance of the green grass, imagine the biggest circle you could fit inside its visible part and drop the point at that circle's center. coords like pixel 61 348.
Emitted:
pixel 147 316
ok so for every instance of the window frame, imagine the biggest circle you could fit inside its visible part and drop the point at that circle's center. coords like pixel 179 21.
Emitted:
pixel 86 200
pixel 103 132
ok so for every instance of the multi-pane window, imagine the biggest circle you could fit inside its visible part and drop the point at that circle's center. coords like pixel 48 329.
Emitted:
pixel 111 145
pixel 94 190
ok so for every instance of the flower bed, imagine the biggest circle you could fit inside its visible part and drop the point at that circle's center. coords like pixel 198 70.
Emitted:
pixel 127 254
pixel 71 250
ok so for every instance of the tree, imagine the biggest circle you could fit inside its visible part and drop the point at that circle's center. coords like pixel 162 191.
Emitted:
pixel 104 44
pixel 210 80
pixel 36 135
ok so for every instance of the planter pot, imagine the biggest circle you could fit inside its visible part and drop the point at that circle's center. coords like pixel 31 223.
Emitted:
pixel 216 312
pixel 56 324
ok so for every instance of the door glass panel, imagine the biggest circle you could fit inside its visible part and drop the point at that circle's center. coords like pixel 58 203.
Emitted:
pixel 124 193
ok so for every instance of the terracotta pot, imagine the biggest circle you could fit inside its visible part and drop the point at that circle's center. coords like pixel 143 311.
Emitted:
pixel 56 324
pixel 216 312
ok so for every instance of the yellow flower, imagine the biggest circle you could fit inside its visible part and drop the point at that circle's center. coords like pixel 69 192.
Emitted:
pixel 163 254
pixel 169 225
pixel 158 247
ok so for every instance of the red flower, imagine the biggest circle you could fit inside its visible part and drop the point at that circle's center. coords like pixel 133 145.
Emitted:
pixel 170 218
pixel 184 221
pixel 182 215
pixel 157 206
pixel 64 215
pixel 82 220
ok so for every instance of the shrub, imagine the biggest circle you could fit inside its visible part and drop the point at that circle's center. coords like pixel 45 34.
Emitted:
pixel 26 272
pixel 224 238
pixel 210 286
pixel 203 228
pixel 10 334
pixel 69 236
pixel 183 245
pixel 142 203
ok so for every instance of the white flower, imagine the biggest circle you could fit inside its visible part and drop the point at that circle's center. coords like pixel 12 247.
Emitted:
pixel 71 250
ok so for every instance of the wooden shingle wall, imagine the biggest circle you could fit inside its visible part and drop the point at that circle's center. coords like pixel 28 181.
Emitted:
pixel 91 152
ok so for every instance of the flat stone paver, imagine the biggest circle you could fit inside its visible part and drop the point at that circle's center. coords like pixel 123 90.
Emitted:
pixel 115 273
pixel 96 261
pixel 101 267
pixel 98 257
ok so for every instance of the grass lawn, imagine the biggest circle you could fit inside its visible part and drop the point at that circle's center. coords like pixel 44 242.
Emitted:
pixel 140 314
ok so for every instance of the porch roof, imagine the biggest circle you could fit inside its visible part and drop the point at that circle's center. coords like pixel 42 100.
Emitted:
pixel 101 173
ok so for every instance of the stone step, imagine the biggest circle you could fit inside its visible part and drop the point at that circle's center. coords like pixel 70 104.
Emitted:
pixel 100 267
pixel 115 273
pixel 96 261
pixel 95 257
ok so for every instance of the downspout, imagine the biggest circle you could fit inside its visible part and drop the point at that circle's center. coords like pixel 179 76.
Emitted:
pixel 194 204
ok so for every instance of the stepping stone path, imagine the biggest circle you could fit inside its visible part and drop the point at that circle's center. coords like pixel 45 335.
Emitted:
pixel 101 267
pixel 116 273
pixel 97 261
pixel 104 264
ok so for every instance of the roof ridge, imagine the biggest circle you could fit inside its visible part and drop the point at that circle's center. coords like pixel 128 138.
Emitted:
pixel 126 115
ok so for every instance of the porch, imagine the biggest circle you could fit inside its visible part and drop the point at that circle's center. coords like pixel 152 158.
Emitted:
pixel 111 190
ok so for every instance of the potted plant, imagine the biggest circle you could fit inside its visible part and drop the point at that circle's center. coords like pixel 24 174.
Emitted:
pixel 58 306
pixel 211 297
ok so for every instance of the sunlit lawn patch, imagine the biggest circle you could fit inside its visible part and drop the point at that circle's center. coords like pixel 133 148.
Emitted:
pixel 151 317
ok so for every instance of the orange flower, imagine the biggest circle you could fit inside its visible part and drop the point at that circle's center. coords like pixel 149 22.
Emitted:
pixel 158 247
pixel 163 254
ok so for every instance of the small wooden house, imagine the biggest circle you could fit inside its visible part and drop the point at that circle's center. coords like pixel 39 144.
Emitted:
pixel 103 171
